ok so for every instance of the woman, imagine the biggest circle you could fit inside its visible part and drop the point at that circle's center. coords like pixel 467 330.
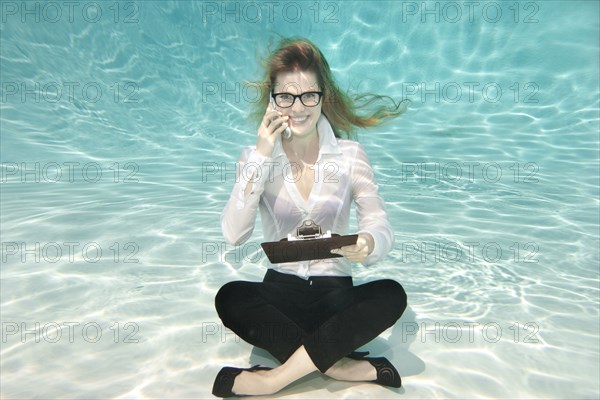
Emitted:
pixel 308 314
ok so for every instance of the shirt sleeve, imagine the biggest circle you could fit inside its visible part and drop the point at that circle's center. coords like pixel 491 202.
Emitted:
pixel 239 215
pixel 370 208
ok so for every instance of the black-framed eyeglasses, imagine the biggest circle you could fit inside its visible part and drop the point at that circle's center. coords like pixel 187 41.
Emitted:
pixel 286 100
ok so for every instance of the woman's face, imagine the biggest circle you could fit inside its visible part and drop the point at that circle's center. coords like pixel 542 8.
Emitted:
pixel 303 119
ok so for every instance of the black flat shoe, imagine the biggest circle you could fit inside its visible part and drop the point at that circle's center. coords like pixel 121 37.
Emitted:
pixel 226 377
pixel 387 375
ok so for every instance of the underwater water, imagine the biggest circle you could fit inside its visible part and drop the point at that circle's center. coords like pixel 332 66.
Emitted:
pixel 120 126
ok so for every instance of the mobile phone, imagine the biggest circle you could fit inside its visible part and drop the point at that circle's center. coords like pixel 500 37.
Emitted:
pixel 287 134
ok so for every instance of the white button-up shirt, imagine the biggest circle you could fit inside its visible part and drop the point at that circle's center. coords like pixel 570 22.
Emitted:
pixel 342 174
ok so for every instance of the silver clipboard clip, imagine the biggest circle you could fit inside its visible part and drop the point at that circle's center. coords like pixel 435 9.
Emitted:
pixel 309 230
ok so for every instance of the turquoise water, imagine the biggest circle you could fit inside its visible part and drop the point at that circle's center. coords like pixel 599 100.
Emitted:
pixel 120 126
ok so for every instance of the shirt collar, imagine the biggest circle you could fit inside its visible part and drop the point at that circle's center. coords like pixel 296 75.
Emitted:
pixel 328 143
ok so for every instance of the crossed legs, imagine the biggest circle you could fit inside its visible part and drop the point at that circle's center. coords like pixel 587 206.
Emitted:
pixel 297 366
pixel 347 318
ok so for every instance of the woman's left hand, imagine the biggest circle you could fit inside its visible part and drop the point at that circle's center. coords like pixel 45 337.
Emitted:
pixel 359 251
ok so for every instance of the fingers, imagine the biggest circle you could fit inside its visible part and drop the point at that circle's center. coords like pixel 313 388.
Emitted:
pixel 348 250
pixel 270 115
pixel 356 252
pixel 275 122
pixel 281 122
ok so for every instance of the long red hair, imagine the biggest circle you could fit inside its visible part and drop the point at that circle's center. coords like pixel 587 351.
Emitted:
pixel 342 110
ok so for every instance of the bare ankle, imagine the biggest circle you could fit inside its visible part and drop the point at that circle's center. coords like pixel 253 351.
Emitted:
pixel 352 370
pixel 253 383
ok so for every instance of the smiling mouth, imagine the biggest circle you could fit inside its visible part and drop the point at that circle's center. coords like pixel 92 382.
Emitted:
pixel 299 120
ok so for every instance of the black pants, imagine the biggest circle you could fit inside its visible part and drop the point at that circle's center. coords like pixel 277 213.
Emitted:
pixel 328 315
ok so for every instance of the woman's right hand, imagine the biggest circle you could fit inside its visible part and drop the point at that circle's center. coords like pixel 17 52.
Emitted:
pixel 273 123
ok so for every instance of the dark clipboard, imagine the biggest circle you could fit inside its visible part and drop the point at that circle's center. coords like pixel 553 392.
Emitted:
pixel 306 249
